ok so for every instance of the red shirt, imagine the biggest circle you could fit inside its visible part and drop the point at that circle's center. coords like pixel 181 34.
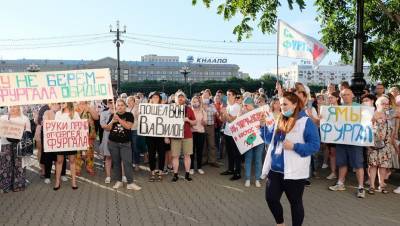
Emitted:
pixel 187 132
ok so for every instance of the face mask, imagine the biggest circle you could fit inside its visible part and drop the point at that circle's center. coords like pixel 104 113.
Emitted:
pixel 288 113
pixel 206 101
pixel 196 105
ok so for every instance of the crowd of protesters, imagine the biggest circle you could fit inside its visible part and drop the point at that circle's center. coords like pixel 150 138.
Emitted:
pixel 208 141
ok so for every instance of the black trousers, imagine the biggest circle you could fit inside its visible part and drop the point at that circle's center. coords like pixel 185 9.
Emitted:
pixel 293 189
pixel 198 144
pixel 156 146
pixel 234 156
pixel 47 159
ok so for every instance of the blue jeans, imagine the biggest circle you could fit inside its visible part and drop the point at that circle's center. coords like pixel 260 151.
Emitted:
pixel 256 153
pixel 135 149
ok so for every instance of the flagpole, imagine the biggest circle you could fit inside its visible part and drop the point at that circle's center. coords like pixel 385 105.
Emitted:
pixel 277 53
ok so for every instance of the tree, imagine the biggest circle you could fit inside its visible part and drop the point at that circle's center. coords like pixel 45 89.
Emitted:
pixel 337 19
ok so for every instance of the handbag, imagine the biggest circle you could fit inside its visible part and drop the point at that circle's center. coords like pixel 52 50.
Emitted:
pixel 380 144
pixel 25 145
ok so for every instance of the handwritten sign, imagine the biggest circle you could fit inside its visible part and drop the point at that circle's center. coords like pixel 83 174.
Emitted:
pixel 347 125
pixel 51 87
pixel 71 135
pixel 161 120
pixel 246 129
pixel 11 129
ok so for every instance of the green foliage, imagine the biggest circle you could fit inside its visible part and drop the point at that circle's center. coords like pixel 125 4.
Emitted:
pixel 337 19
pixel 382 34
pixel 169 87
pixel 264 12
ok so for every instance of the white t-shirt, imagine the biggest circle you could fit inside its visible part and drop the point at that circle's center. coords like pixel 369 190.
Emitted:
pixel 65 116
pixel 232 110
pixel 20 119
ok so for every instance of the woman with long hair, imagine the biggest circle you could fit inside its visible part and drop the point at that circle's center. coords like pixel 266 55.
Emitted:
pixel 156 147
pixel 66 113
pixel 330 150
pixel 198 131
pixel 292 140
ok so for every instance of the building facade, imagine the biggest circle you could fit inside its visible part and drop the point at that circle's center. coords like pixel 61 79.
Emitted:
pixel 321 75
pixel 152 67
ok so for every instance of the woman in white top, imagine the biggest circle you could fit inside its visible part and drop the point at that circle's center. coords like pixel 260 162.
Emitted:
pixel 13 176
pixel 66 113
pixel 198 131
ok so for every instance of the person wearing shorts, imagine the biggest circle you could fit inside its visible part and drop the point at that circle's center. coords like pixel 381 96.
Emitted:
pixel 185 145
pixel 349 155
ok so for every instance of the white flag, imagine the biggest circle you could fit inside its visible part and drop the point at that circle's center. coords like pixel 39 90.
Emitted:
pixel 292 43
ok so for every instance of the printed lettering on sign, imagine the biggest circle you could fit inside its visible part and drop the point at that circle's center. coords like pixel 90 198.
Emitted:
pixel 347 125
pixel 161 120
pixel 246 129
pixel 51 87
pixel 69 135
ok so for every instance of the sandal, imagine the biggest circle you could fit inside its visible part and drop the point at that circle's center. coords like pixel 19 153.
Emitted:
pixel 371 191
pixel 152 178
pixel 384 191
pixel 159 176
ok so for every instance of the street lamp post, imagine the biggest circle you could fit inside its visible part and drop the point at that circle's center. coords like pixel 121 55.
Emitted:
pixel 357 82
pixel 118 43
pixel 185 71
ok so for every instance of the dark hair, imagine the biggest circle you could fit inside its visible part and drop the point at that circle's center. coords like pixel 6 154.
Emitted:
pixel 369 96
pixel 345 84
pixel 287 123
pixel 232 91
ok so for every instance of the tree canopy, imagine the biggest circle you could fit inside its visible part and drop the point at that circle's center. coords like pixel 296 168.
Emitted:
pixel 337 21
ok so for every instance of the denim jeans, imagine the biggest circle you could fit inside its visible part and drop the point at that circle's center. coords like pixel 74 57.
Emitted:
pixel 256 153
pixel 135 149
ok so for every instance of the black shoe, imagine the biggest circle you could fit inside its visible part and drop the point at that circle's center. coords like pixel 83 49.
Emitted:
pixel 235 177
pixel 74 187
pixel 308 183
pixel 187 177
pixel 57 188
pixel 228 172
pixel 175 178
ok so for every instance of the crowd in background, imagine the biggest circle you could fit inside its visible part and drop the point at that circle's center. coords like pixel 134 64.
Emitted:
pixel 207 140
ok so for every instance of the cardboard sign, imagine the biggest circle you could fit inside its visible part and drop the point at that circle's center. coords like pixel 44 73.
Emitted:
pixel 347 125
pixel 56 86
pixel 161 120
pixel 71 135
pixel 246 129
pixel 11 129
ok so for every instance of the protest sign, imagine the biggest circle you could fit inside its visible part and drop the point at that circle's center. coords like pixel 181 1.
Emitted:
pixel 161 120
pixel 71 135
pixel 246 129
pixel 347 125
pixel 11 129
pixel 21 88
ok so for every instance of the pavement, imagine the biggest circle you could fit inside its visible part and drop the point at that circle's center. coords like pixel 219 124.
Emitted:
pixel 210 199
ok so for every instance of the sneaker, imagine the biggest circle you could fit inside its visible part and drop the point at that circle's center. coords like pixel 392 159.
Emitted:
pixel 200 171
pixel 397 190
pixel 361 193
pixel 107 180
pixel 124 179
pixel 118 184
pixel 47 181
pixel 258 184
pixel 324 166
pixel 247 183
pixel 133 186
pixel 337 187
pixel 64 178
pixel 191 171
pixel 331 176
